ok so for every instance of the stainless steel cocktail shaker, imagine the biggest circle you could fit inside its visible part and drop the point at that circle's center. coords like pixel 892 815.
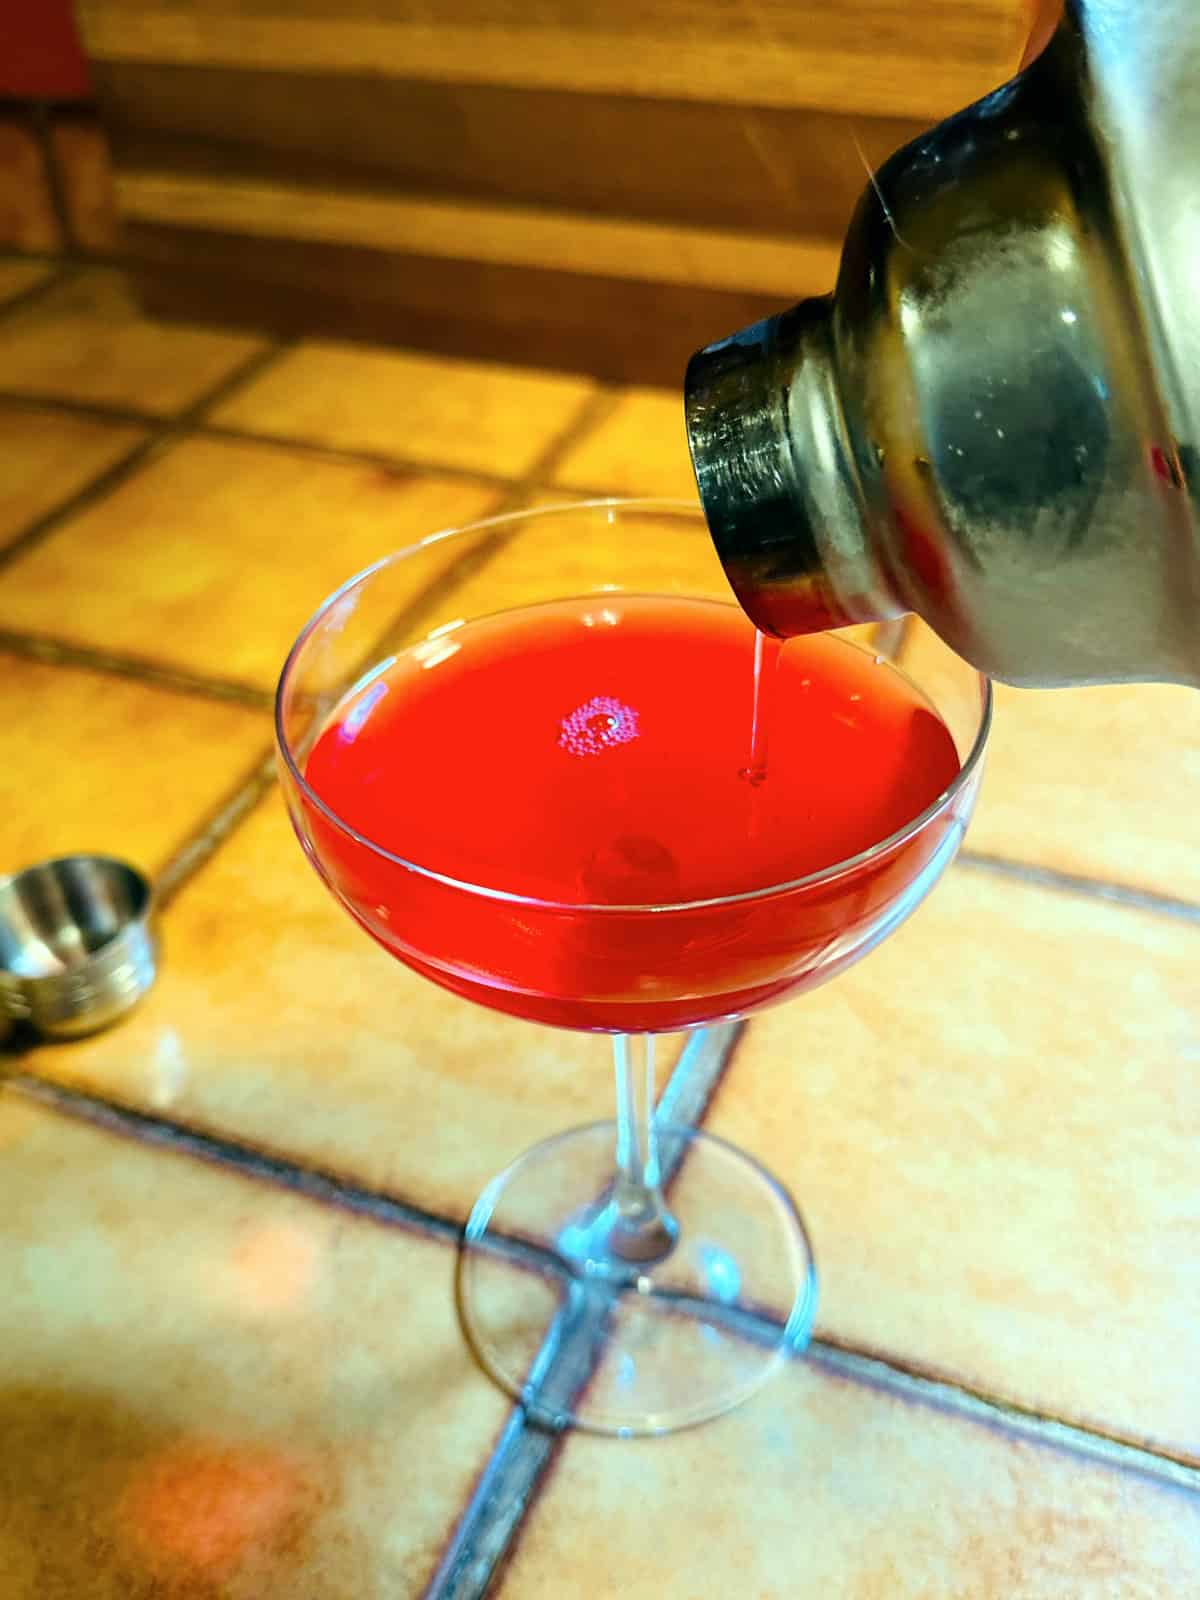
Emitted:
pixel 994 420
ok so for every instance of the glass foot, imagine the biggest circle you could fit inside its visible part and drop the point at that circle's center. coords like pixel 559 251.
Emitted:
pixel 586 1333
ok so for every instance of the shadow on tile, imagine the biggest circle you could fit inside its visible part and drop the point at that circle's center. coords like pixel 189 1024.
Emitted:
pixel 210 1387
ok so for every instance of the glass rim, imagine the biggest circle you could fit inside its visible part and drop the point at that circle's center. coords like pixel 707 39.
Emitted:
pixel 650 506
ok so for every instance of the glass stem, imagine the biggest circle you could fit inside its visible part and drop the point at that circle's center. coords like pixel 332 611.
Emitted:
pixel 643 1230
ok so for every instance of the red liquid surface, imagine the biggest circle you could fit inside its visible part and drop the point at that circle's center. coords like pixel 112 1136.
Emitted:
pixel 592 754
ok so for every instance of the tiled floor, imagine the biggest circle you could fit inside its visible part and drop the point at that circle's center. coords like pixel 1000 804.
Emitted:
pixel 229 1357
pixel 85 341
pixel 48 455
pixel 172 1421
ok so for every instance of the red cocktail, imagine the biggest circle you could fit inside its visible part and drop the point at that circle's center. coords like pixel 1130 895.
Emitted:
pixel 555 797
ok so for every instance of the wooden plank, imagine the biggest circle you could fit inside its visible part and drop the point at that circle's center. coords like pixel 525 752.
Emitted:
pixel 878 57
pixel 734 166
pixel 503 236
pixel 620 330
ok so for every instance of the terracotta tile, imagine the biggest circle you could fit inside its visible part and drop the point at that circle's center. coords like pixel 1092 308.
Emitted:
pixel 823 1487
pixel 88 341
pixel 278 1021
pixel 640 449
pixel 212 1387
pixel 432 409
pixel 85 172
pixel 1096 781
pixel 991 1125
pixel 48 456
pixel 18 276
pixel 27 219
pixel 551 557
pixel 216 553
pixel 100 763
pixel 557 556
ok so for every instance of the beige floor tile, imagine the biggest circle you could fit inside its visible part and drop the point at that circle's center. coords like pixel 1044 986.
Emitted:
pixel 17 276
pixel 640 449
pixel 278 1021
pixel 215 554
pixel 550 557
pixel 209 1387
pixel 991 1125
pixel 97 763
pixel 431 409
pixel 49 456
pixel 822 1487
pixel 88 341
pixel 1097 781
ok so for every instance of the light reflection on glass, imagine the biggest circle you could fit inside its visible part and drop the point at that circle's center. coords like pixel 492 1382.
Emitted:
pixel 433 651
pixel 606 617
pixel 352 722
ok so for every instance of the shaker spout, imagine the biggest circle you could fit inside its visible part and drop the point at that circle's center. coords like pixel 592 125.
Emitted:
pixel 776 479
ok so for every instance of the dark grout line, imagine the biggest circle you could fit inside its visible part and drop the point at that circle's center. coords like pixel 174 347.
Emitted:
pixel 199 848
pixel 243 373
pixel 159 675
pixel 92 492
pixel 594 409
pixel 893 1375
pixel 44 258
pixel 204 842
pixel 956 1398
pixel 1162 905
pixel 487 1533
pixel 169 431
pixel 340 455
pixel 61 272
pixel 40 121
pixel 89 410
pixel 324 1188
pixel 515 1474
pixel 485 549
pixel 202 846
pixel 424 606
pixel 165 432
pixel 686 1103
pixel 315 1184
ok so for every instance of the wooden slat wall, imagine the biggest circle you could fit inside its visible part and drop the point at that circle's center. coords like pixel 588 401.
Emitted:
pixel 545 180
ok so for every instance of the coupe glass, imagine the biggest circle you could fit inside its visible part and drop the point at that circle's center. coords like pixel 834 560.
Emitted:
pixel 631 1276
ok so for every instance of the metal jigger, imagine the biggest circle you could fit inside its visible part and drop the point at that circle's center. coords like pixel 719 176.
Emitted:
pixel 78 946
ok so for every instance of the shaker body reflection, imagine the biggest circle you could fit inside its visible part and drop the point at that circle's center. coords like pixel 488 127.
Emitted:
pixel 994 420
